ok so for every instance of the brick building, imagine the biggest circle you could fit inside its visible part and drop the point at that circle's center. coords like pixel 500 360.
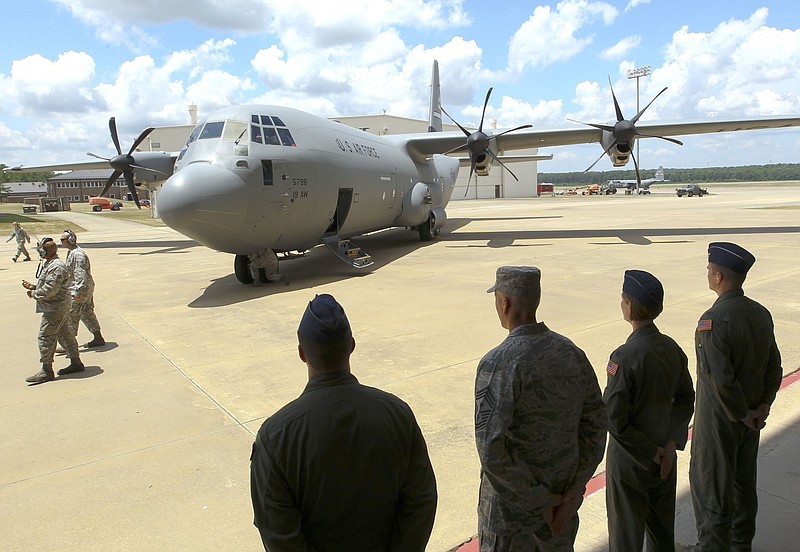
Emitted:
pixel 79 186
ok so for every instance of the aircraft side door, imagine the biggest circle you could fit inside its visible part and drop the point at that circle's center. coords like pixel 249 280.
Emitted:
pixel 343 204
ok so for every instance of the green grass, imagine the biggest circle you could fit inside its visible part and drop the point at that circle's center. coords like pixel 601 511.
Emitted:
pixel 50 224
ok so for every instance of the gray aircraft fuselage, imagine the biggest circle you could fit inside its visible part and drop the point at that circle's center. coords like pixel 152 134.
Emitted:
pixel 233 192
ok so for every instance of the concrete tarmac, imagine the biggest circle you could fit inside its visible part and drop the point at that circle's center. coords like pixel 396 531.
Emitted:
pixel 149 448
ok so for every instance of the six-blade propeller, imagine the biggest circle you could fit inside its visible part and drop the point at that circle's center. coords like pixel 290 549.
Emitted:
pixel 478 143
pixel 124 164
pixel 624 133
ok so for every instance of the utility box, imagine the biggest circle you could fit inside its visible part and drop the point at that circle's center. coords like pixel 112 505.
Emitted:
pixel 48 204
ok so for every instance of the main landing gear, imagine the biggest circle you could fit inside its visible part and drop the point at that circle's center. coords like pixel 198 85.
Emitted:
pixel 257 268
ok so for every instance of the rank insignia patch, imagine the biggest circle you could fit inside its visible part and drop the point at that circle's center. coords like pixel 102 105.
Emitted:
pixel 612 367
pixel 704 326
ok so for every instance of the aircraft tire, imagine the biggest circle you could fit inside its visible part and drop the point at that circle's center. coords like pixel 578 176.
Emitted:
pixel 241 267
pixel 426 229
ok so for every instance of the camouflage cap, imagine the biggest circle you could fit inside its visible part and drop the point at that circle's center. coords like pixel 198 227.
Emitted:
pixel 730 255
pixel 518 281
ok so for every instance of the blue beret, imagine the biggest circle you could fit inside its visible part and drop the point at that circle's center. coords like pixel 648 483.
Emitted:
pixel 519 281
pixel 324 321
pixel 644 287
pixel 731 256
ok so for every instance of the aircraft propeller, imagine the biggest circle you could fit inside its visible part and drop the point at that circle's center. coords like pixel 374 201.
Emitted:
pixel 124 164
pixel 478 143
pixel 624 132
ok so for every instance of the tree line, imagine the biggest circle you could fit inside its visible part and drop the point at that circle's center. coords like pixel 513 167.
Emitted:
pixel 750 173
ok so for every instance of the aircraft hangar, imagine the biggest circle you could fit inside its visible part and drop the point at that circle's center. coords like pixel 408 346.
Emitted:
pixel 498 184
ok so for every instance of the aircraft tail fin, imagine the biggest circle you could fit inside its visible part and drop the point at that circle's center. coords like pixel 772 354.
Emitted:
pixel 435 113
pixel 659 174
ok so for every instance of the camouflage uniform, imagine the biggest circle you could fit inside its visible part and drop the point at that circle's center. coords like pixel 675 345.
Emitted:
pixel 650 401
pixel 21 236
pixel 53 300
pixel 540 429
pixel 83 288
pixel 738 368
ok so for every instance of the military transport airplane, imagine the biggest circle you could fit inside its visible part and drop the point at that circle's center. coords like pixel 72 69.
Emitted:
pixel 265 182
pixel 636 186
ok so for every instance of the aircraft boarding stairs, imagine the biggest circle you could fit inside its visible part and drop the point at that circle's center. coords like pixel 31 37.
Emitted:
pixel 347 251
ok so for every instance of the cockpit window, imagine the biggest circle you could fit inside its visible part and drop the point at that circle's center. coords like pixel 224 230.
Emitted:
pixel 270 130
pixel 286 137
pixel 271 137
pixel 212 130
pixel 195 134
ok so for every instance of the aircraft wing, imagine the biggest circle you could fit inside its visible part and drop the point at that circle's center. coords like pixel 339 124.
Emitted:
pixel 77 166
pixel 425 145
pixel 148 166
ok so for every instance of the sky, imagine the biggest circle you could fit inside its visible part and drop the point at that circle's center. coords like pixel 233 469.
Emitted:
pixel 66 66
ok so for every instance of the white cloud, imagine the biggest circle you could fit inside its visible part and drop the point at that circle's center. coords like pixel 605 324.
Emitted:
pixel 621 48
pixel 633 3
pixel 549 36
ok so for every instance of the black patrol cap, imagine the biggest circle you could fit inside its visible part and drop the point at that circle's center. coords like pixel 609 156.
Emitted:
pixel 730 255
pixel 644 287
pixel 324 321
pixel 519 281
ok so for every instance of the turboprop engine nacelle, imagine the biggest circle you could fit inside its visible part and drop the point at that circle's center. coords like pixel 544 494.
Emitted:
pixel 416 206
pixel 482 164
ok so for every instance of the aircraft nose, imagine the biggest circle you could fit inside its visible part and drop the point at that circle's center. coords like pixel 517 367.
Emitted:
pixel 205 202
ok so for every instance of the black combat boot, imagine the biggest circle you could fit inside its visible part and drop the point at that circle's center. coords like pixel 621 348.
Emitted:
pixel 75 366
pixel 43 375
pixel 98 340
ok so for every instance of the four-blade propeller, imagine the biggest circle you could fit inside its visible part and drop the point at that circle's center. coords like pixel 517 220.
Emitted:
pixel 124 164
pixel 624 132
pixel 478 143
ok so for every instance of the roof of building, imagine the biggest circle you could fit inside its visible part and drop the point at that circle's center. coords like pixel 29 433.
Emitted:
pixel 94 174
pixel 25 187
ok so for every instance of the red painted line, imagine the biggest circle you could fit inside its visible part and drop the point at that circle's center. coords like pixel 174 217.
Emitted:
pixel 598 482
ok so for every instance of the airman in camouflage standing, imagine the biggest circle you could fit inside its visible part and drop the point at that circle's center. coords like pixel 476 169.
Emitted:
pixel 19 233
pixel 53 300
pixel 540 426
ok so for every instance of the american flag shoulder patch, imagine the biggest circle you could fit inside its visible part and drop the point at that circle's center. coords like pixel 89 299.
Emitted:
pixel 612 368
pixel 704 325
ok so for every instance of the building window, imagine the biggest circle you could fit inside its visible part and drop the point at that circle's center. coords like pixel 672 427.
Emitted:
pixel 76 198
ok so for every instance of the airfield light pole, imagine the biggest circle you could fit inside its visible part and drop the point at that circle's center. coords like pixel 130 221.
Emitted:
pixel 637 74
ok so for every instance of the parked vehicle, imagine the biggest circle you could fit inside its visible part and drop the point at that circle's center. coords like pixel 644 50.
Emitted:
pixel 691 190
pixel 100 203
pixel 594 189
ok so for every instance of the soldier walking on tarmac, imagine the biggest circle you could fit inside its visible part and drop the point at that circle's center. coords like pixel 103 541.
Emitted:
pixel 81 289
pixel 21 236
pixel 53 300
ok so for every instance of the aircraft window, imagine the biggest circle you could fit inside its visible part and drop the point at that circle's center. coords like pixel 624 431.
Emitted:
pixel 255 134
pixel 212 130
pixel 271 137
pixel 195 134
pixel 183 152
pixel 266 170
pixel 286 137
pixel 234 130
pixel 254 119
pixel 265 120
pixel 278 121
